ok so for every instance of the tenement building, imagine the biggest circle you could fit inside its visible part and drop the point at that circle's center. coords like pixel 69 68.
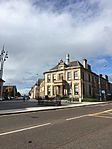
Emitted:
pixel 37 90
pixel 33 93
pixel 71 78
pixel 9 91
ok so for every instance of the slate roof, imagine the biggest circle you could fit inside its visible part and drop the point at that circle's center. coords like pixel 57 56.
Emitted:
pixel 1 80
pixel 71 64
pixel 75 63
pixel 56 67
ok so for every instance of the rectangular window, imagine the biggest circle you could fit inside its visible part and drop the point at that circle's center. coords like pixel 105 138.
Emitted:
pixel 48 78
pixel 69 89
pixel 68 75
pixel 90 90
pixel 83 76
pixel 92 79
pixel 53 90
pixel 89 78
pixel 83 89
pixel 61 76
pixel 54 77
pixel 75 75
pixel 48 90
pixel 76 89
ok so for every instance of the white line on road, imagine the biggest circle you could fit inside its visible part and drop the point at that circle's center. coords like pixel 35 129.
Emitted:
pixel 9 115
pixel 93 114
pixel 23 129
pixel 106 111
pixel 77 117
pixel 103 116
pixel 109 113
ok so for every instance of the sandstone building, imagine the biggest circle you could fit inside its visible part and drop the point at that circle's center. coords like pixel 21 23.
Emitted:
pixel 37 90
pixel 71 78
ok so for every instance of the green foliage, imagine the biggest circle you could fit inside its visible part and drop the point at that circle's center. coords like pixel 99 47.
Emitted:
pixel 18 94
pixel 91 100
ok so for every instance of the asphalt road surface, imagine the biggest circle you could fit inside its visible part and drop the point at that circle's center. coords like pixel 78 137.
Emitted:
pixel 88 127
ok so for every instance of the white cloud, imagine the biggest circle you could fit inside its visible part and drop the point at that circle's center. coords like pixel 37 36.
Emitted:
pixel 36 38
pixel 24 91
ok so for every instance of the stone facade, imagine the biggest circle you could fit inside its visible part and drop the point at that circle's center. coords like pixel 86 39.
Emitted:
pixel 33 92
pixel 42 88
pixel 75 80
pixel 9 91
pixel 37 90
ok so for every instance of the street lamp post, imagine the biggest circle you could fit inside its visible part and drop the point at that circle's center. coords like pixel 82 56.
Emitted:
pixel 3 57
pixel 37 88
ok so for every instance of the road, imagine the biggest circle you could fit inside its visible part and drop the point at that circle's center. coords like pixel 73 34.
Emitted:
pixel 88 127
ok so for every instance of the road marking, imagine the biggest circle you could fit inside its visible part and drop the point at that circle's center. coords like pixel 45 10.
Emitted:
pixel 110 113
pixel 103 116
pixel 93 114
pixel 98 113
pixel 23 129
pixel 77 117
pixel 9 115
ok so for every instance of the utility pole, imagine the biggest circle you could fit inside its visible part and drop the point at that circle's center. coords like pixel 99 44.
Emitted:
pixel 3 57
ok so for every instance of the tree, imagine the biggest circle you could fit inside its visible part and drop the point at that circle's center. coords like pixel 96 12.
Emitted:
pixel 18 94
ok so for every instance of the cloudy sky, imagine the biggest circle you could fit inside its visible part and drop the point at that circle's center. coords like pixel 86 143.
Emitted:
pixel 38 33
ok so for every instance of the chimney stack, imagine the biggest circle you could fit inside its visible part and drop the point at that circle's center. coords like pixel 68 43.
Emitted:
pixel 67 59
pixel 85 65
pixel 105 77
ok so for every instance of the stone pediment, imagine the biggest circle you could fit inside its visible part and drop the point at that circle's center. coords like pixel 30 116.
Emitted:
pixel 61 64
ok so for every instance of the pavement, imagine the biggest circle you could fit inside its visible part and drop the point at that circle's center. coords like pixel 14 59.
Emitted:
pixel 45 108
